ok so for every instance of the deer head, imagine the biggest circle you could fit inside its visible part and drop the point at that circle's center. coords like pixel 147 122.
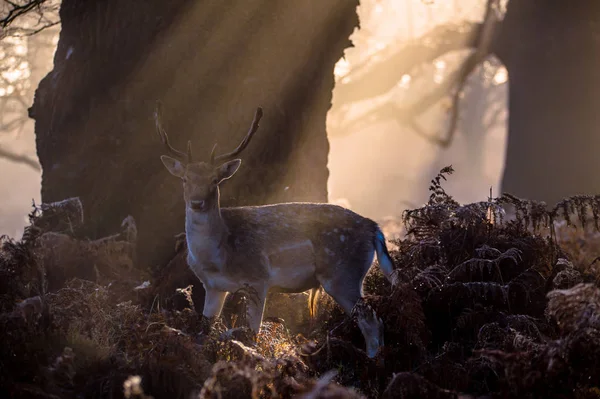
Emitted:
pixel 201 179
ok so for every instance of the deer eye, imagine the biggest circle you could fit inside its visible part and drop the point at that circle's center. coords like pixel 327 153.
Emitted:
pixel 214 181
pixel 184 179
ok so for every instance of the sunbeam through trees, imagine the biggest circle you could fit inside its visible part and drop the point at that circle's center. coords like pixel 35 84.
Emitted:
pixel 308 199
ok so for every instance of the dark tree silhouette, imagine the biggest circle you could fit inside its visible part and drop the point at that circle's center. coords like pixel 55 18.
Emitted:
pixel 211 63
pixel 552 53
pixel 550 50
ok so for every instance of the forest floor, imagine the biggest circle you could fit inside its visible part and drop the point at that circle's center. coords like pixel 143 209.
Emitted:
pixel 482 305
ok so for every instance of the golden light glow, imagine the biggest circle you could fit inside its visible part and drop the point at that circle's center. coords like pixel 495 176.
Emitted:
pixel 501 76
pixel 14 74
pixel 342 67
pixel 374 183
pixel 16 81
pixel 7 90
pixel 404 81
pixel 440 69
pixel 20 50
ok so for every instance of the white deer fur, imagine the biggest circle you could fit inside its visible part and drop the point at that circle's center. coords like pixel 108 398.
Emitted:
pixel 290 247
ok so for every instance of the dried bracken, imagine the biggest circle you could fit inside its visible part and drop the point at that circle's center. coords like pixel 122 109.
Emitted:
pixel 494 299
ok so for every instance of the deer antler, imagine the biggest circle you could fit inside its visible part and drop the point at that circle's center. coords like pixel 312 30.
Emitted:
pixel 165 138
pixel 231 155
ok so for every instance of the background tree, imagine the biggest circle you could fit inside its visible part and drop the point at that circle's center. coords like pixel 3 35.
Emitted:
pixel 27 41
pixel 26 53
pixel 211 64
pixel 551 51
pixel 548 49
pixel 401 130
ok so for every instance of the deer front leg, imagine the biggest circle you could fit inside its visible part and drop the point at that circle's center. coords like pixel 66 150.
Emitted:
pixel 256 308
pixel 213 303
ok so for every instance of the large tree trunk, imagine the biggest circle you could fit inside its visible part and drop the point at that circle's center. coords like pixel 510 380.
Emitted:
pixel 553 59
pixel 211 63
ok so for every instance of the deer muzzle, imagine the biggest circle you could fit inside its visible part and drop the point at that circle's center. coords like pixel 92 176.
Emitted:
pixel 198 205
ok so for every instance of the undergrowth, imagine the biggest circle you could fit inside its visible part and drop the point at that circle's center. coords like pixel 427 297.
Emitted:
pixel 497 298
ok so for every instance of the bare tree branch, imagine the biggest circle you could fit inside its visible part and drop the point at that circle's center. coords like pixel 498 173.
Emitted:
pixel 20 158
pixel 45 13
pixel 490 21
pixel 17 10
pixel 406 115
pixel 373 80
pixel 31 32
pixel 381 78
pixel 18 123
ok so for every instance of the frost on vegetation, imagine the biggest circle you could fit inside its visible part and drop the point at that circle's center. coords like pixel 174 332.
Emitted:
pixel 487 302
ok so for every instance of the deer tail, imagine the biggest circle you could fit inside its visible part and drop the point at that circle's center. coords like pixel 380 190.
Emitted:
pixel 383 256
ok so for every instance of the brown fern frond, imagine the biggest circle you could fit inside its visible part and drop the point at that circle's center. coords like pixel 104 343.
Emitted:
pixel 430 277
pixel 457 296
pixel 527 292
pixel 426 221
pixel 438 194
pixel 528 213
pixel 475 268
pixel 581 206
pixel 536 215
pixel 575 308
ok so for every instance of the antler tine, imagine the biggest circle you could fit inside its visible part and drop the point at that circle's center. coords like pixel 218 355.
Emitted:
pixel 189 151
pixel 253 128
pixel 212 154
pixel 163 134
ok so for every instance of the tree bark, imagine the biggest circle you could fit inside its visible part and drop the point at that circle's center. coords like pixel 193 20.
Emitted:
pixel 553 60
pixel 211 63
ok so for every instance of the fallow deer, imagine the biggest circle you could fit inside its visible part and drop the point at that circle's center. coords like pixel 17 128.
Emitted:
pixel 287 247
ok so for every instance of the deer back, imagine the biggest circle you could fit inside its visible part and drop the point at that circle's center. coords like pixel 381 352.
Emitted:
pixel 299 240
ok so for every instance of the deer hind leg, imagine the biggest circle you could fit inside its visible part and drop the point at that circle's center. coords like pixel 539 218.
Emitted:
pixel 371 327
pixel 348 294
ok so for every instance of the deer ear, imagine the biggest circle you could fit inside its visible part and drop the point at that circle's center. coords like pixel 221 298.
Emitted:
pixel 228 169
pixel 173 166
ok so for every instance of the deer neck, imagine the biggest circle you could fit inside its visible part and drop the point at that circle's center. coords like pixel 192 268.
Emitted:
pixel 206 234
